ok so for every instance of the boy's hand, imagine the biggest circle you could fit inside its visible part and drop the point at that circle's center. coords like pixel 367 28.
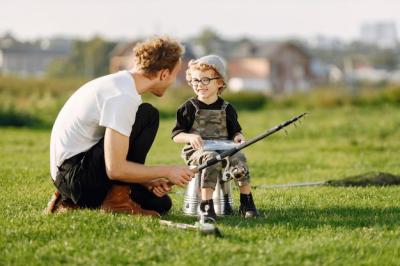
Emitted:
pixel 239 138
pixel 196 141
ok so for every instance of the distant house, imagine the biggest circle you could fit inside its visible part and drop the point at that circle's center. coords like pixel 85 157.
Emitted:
pixel 324 73
pixel 273 67
pixel 122 58
pixel 370 74
pixel 249 73
pixel 30 58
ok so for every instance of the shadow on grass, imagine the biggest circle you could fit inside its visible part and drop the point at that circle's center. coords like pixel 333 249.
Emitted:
pixel 349 217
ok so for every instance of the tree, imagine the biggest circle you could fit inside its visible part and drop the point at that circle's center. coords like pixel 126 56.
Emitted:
pixel 207 40
pixel 88 59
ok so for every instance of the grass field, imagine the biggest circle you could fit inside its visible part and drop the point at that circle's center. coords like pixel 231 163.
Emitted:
pixel 299 226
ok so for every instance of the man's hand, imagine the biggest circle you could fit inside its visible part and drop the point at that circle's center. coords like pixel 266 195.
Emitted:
pixel 196 141
pixel 179 175
pixel 155 182
pixel 161 190
pixel 159 187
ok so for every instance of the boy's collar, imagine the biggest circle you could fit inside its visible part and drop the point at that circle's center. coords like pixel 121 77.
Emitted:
pixel 218 99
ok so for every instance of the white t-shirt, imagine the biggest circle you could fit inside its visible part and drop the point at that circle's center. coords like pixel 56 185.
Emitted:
pixel 109 101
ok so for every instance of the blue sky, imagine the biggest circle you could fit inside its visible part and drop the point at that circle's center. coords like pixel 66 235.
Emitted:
pixel 29 19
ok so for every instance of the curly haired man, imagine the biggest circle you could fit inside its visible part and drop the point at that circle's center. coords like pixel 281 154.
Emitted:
pixel 103 133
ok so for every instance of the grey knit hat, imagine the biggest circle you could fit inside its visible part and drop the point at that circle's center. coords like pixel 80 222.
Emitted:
pixel 216 62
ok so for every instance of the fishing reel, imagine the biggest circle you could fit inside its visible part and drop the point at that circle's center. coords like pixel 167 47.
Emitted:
pixel 236 172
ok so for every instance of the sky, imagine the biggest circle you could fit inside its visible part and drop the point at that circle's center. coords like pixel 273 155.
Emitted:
pixel 129 19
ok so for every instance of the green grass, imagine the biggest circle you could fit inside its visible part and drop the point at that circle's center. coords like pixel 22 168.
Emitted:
pixel 299 226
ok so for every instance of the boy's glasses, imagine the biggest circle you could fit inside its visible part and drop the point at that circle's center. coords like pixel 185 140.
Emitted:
pixel 203 80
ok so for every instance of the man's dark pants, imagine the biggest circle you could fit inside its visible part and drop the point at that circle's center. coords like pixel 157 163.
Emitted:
pixel 83 178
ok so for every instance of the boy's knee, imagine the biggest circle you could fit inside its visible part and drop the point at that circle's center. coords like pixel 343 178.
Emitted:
pixel 238 169
pixel 238 157
pixel 238 160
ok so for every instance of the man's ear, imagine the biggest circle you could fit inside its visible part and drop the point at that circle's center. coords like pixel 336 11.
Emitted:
pixel 164 74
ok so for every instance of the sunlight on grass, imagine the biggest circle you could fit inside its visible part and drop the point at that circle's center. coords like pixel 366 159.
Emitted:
pixel 307 225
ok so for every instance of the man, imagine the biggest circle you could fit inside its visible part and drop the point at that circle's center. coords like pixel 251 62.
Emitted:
pixel 103 133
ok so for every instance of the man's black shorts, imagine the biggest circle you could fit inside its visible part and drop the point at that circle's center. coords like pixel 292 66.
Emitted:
pixel 83 177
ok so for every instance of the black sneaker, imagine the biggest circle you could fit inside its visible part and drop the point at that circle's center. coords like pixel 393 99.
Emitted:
pixel 227 206
pixel 247 208
pixel 207 209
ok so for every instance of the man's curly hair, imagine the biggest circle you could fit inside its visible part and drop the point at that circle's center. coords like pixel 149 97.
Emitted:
pixel 157 53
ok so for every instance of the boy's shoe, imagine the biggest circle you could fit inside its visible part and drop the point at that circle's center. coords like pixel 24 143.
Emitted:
pixel 227 206
pixel 247 208
pixel 207 210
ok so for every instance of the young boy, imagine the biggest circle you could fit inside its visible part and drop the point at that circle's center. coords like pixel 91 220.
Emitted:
pixel 208 117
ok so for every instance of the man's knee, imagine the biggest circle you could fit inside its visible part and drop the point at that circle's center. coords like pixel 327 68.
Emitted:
pixel 149 110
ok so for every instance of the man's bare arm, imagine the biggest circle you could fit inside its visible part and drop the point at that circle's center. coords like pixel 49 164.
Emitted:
pixel 119 168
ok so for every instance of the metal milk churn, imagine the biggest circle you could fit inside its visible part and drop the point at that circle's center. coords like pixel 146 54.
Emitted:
pixel 221 197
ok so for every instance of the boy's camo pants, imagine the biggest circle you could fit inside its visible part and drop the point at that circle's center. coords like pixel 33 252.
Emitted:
pixel 210 175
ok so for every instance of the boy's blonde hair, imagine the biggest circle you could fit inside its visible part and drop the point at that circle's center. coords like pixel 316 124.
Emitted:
pixel 194 65
pixel 157 53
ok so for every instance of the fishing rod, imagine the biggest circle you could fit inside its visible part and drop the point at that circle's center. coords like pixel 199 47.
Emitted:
pixel 241 146
pixel 207 228
pixel 201 227
pixel 245 144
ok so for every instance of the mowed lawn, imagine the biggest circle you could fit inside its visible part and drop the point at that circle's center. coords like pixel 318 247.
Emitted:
pixel 299 225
